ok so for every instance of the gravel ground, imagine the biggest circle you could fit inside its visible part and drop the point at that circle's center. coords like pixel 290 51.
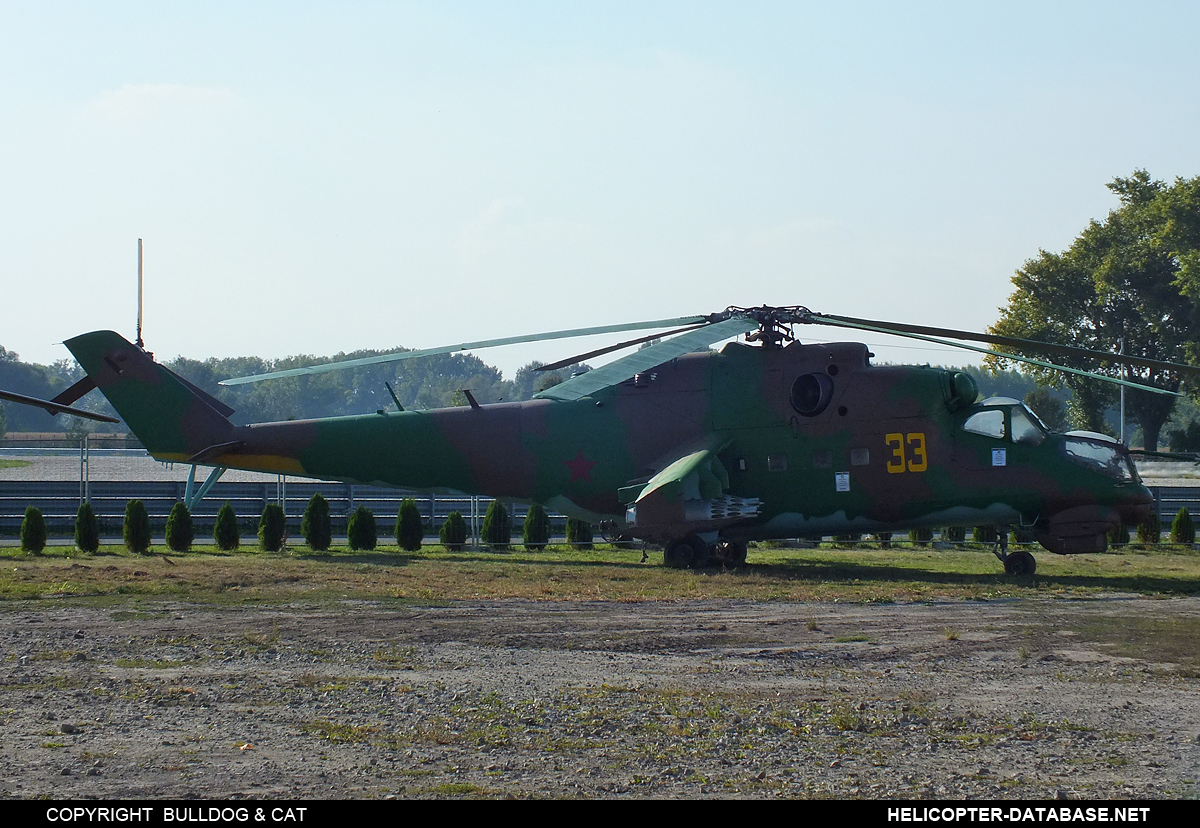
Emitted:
pixel 998 699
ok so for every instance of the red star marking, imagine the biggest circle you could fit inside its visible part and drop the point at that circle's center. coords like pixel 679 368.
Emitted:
pixel 581 468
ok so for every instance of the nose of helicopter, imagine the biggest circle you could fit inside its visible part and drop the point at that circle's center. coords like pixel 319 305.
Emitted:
pixel 1137 507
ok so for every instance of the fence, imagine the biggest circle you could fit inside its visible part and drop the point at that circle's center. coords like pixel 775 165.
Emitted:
pixel 59 501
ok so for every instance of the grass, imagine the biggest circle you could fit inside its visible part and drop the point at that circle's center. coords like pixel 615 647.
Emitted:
pixel 6 463
pixel 117 577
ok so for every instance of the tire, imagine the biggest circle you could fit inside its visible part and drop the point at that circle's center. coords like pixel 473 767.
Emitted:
pixel 1020 563
pixel 679 554
pixel 730 553
pixel 686 553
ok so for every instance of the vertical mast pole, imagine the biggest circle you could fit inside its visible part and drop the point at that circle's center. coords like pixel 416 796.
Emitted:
pixel 140 344
pixel 1125 370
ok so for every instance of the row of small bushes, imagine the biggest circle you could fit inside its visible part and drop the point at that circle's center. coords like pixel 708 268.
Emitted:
pixel 1183 530
pixel 316 526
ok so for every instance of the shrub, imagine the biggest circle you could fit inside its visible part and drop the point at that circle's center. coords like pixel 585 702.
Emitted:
pixel 1022 536
pixel 985 534
pixel 272 526
pixel 580 533
pixel 180 530
pixel 409 528
pixel 1119 536
pixel 87 529
pixel 226 534
pixel 1150 530
pixel 497 530
pixel 360 531
pixel 453 533
pixel 884 539
pixel 136 531
pixel 535 533
pixel 853 537
pixel 954 534
pixel 316 525
pixel 1183 530
pixel 33 530
pixel 920 537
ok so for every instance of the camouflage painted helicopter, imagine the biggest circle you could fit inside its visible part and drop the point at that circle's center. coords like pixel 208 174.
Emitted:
pixel 697 450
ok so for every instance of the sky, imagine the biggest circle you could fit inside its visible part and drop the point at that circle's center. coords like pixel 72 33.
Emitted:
pixel 323 177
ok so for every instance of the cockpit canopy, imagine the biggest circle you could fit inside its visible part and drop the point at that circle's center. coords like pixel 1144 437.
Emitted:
pixel 1005 418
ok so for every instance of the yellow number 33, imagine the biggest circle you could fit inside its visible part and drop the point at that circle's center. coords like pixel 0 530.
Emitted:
pixel 915 441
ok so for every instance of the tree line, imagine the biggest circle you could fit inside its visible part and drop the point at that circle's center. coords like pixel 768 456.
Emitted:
pixel 430 382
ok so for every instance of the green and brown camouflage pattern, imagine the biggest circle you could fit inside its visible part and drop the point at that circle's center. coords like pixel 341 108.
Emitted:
pixel 707 444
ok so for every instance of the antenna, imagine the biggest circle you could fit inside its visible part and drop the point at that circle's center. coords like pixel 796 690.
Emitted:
pixel 140 344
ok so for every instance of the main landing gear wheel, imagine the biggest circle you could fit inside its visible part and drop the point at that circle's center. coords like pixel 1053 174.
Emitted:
pixel 730 553
pixel 684 553
pixel 1020 562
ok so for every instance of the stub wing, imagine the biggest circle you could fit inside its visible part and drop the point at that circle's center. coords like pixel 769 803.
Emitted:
pixel 690 495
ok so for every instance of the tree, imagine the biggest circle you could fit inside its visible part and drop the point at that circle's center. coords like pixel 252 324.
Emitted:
pixel 1049 409
pixel 87 529
pixel 1150 530
pixel 1130 284
pixel 535 532
pixel 497 530
pixel 136 529
pixel 453 533
pixel 226 533
pixel 33 530
pixel 920 537
pixel 272 526
pixel 1183 529
pixel 985 534
pixel 954 534
pixel 1119 536
pixel 409 528
pixel 316 525
pixel 360 531
pixel 180 529
pixel 580 533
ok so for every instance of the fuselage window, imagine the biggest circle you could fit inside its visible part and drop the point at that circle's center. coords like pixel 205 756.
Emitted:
pixel 988 423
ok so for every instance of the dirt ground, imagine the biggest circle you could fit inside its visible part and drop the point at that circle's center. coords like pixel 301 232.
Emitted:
pixel 1042 698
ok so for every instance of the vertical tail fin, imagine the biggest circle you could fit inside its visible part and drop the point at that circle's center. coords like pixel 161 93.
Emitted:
pixel 173 419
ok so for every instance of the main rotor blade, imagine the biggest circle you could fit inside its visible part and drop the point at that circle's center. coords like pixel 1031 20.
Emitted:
pixel 844 322
pixel 55 408
pixel 1191 371
pixel 647 358
pixel 628 343
pixel 469 346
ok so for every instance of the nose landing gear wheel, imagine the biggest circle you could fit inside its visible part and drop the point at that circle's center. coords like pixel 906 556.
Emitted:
pixel 1020 562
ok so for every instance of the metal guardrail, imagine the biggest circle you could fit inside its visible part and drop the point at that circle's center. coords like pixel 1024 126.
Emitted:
pixel 59 502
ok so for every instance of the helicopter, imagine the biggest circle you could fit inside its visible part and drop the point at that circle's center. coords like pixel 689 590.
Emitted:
pixel 697 450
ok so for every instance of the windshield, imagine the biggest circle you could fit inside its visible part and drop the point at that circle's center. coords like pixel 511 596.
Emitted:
pixel 1098 456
